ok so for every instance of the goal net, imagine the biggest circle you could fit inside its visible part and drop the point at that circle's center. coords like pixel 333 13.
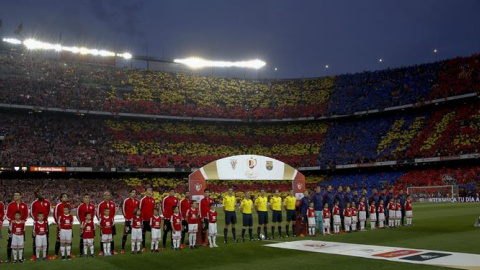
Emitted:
pixel 433 193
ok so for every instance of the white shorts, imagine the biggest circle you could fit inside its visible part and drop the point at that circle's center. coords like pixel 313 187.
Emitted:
pixel 337 220
pixel 18 241
pixel 192 228
pixel 212 229
pixel 65 236
pixel 311 222
pixel 409 214
pixel 156 234
pixel 176 235
pixel 398 214
pixel 40 241
pixel 362 215
pixel 373 216
pixel 381 216
pixel 137 235
pixel 392 214
pixel 347 221
pixel 354 219
pixel 106 238
pixel 88 242
pixel 326 223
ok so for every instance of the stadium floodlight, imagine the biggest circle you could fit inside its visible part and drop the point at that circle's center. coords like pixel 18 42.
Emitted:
pixel 197 63
pixel 33 44
pixel 12 41
pixel 125 55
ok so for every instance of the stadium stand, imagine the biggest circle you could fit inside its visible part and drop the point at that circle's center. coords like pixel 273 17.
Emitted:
pixel 36 81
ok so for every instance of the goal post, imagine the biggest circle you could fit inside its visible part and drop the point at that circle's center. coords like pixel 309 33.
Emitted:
pixel 433 193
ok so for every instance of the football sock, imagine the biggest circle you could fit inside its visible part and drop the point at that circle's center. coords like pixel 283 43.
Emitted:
pixel 124 241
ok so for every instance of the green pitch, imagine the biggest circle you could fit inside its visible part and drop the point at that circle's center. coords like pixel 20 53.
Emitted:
pixel 447 227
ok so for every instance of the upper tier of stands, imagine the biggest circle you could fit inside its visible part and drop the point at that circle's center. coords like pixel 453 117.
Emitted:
pixel 36 81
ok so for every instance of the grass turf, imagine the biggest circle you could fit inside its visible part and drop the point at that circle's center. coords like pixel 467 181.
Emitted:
pixel 446 226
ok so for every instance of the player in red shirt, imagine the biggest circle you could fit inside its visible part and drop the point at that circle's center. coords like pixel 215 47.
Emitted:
pixel 193 218
pixel 408 210
pixel 381 215
pixel 362 213
pixel 398 213
pixel 88 234
pixel 17 230
pixel 82 210
pixel 205 203
pixel 156 225
pixel 176 228
pixel 212 225
pixel 65 222
pixel 2 217
pixel 354 211
pixel 137 224
pixel 57 213
pixel 337 222
pixel 147 204
pixel 373 215
pixel 106 229
pixel 128 207
pixel 311 215
pixel 40 232
pixel 326 219
pixel 16 206
pixel 167 206
pixel 40 205
pixel 184 205
pixel 347 217
pixel 107 203
pixel 392 209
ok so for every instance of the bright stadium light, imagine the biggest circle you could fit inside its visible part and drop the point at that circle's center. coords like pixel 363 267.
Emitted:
pixel 196 63
pixel 12 41
pixel 125 55
pixel 33 44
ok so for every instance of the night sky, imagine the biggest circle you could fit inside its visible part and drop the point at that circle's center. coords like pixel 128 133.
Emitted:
pixel 298 36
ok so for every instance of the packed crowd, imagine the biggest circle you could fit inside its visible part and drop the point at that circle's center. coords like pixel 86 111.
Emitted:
pixel 33 80
pixel 66 140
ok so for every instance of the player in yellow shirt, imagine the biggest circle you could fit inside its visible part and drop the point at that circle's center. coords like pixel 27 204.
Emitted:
pixel 229 202
pixel 276 206
pixel 262 210
pixel 246 207
pixel 290 203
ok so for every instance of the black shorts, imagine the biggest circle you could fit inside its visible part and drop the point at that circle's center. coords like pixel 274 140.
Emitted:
pixel 127 229
pixel 230 217
pixel 114 230
pixel 205 225
pixel 277 216
pixel 146 226
pixel 291 215
pixel 247 220
pixel 262 217
pixel 184 226
pixel 167 226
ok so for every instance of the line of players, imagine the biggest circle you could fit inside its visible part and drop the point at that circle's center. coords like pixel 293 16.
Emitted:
pixel 180 217
pixel 328 209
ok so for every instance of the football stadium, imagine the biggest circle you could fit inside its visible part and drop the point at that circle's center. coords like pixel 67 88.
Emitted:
pixel 140 134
